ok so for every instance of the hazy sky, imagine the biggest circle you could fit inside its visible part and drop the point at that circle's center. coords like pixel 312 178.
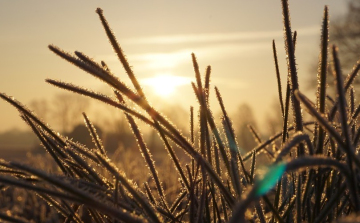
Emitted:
pixel 158 37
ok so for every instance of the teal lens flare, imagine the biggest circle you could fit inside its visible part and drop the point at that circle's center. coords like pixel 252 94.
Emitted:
pixel 271 176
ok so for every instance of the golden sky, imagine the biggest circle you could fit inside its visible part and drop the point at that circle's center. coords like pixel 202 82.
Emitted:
pixel 158 37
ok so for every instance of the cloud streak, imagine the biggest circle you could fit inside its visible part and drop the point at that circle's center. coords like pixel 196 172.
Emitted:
pixel 177 81
pixel 210 52
pixel 216 37
pixel 171 60
pixel 214 47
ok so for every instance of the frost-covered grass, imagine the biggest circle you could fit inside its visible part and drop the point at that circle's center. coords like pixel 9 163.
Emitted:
pixel 312 174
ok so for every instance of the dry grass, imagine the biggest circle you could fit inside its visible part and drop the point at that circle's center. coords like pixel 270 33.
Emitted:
pixel 312 175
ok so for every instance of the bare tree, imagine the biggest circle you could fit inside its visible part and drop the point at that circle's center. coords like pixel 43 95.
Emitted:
pixel 64 110
pixel 41 107
pixel 67 109
pixel 242 118
pixel 344 33
pixel 274 119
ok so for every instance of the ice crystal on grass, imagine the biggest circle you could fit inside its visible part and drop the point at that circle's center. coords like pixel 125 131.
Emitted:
pixel 312 177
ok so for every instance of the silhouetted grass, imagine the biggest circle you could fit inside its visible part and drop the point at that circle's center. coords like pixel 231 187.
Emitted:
pixel 312 176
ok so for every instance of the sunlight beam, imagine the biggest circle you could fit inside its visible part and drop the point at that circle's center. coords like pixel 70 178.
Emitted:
pixel 165 85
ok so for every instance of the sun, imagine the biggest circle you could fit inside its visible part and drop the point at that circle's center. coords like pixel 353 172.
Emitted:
pixel 165 85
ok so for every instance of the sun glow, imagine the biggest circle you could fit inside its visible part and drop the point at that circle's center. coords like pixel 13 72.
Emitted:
pixel 165 85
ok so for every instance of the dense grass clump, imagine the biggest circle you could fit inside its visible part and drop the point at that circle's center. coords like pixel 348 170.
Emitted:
pixel 312 176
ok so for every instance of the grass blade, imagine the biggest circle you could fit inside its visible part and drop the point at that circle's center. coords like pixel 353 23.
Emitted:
pixel 94 136
pixel 322 73
pixel 290 52
pixel 344 124
pixel 278 78
pixel 119 53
